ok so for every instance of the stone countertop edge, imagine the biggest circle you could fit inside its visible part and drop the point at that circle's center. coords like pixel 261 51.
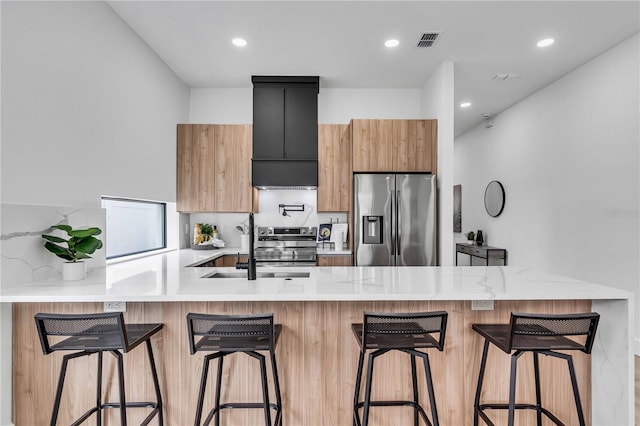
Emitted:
pixel 168 277
pixel 329 252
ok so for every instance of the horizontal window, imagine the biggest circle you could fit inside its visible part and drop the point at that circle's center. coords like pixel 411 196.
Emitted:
pixel 134 226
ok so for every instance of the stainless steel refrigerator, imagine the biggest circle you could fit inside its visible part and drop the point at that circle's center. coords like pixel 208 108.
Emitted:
pixel 394 219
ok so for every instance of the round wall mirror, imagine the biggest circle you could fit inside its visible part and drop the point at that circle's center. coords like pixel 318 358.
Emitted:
pixel 494 198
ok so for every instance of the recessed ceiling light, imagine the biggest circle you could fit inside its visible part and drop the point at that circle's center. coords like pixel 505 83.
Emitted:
pixel 546 42
pixel 465 105
pixel 240 42
pixel 391 42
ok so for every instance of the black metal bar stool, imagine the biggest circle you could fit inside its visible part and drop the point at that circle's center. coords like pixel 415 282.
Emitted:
pixel 94 334
pixel 540 334
pixel 225 335
pixel 382 333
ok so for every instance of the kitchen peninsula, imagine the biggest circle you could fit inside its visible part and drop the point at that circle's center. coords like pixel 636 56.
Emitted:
pixel 317 353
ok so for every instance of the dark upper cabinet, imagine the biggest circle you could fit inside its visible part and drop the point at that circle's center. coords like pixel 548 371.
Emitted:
pixel 301 123
pixel 268 123
pixel 285 131
pixel 285 118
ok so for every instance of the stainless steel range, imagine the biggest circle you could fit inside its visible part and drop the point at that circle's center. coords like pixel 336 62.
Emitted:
pixel 279 246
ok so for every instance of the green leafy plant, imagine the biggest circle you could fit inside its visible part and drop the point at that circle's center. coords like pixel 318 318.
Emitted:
pixel 80 245
pixel 206 229
pixel 471 235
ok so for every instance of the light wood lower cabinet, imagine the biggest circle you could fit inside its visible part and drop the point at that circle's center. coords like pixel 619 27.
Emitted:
pixel 317 360
pixel 335 260
pixel 230 260
pixel 214 168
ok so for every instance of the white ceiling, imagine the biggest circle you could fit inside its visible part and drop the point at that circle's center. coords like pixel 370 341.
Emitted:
pixel 342 42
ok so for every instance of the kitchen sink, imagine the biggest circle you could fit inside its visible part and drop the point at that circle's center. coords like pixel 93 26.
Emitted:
pixel 260 274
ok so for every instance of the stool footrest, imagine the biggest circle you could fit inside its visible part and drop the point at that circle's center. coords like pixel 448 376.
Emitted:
pixel 130 405
pixel 521 406
pixel 260 405
pixel 247 405
pixel 93 410
pixel 398 403
pixel 390 404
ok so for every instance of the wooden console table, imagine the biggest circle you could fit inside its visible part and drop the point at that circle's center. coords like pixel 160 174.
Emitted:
pixel 484 252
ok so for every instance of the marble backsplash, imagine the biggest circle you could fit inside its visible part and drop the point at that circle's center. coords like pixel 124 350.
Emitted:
pixel 23 256
pixel 270 214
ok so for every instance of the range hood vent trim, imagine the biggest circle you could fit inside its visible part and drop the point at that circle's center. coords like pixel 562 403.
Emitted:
pixel 287 188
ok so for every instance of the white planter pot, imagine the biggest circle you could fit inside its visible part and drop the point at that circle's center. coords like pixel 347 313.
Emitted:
pixel 471 242
pixel 73 271
pixel 244 242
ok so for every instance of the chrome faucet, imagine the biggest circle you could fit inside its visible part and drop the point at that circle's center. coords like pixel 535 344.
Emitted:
pixel 250 264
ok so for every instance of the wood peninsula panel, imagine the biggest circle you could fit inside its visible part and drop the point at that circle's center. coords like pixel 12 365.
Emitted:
pixel 334 167
pixel 317 360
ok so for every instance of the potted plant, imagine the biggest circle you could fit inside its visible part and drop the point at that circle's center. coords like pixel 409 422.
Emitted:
pixel 471 237
pixel 80 245
pixel 207 231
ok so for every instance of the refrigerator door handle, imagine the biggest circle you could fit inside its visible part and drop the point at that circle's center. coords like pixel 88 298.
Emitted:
pixel 398 224
pixel 392 223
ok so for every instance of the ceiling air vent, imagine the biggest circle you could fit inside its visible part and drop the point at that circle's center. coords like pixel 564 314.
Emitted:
pixel 429 39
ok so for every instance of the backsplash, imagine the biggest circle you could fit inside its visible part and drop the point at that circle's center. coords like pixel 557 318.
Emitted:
pixel 270 214
pixel 24 258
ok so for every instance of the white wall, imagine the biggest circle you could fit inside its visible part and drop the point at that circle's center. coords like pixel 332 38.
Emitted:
pixel 87 108
pixel 568 157
pixel 335 106
pixel 221 106
pixel 437 102
pixel 338 106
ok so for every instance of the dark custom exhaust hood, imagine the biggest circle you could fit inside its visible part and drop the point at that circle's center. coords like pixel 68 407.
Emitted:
pixel 285 132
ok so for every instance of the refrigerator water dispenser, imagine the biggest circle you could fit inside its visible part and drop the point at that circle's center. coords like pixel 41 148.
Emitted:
pixel 372 229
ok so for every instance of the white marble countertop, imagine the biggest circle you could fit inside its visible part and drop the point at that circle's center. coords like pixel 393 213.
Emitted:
pixel 329 252
pixel 167 277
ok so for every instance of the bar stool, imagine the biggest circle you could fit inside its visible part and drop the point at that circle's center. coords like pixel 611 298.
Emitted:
pixel 540 334
pixel 225 335
pixel 406 332
pixel 94 334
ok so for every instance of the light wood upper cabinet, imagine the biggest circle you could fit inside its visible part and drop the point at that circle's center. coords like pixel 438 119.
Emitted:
pixel 394 145
pixel 233 168
pixel 214 168
pixel 334 167
pixel 372 145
